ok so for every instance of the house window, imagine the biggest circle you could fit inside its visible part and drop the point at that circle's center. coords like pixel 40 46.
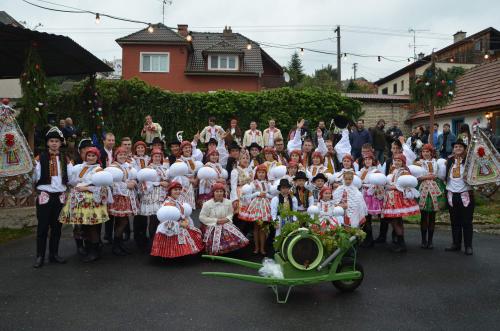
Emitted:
pixel 478 45
pixel 223 62
pixel 402 85
pixel 394 88
pixel 155 62
pixel 385 90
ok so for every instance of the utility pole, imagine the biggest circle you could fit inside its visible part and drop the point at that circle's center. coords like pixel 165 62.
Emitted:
pixel 414 45
pixel 355 68
pixel 164 2
pixel 431 108
pixel 339 55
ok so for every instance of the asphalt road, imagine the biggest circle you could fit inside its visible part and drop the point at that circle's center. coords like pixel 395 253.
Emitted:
pixel 419 290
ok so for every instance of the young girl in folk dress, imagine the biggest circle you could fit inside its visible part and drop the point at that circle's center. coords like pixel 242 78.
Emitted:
pixel 396 205
pixel 152 196
pixel 180 237
pixel 350 198
pixel 259 210
pixel 140 159
pixel 240 176
pixel 192 182
pixel 87 204
pixel 326 206
pixel 270 160
pixel 296 156
pixel 372 194
pixel 220 235
pixel 347 165
pixel 432 196
pixel 205 185
pixel 317 166
pixel 124 201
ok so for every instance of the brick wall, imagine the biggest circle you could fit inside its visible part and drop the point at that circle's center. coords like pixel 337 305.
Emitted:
pixel 392 113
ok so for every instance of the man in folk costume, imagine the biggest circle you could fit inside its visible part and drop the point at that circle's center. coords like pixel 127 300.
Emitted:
pixel 271 134
pixel 331 162
pixel 51 177
pixel 253 136
pixel 460 199
pixel 304 196
pixel 212 131
pixel 279 145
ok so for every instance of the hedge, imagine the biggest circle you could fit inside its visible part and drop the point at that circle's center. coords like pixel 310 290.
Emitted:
pixel 126 102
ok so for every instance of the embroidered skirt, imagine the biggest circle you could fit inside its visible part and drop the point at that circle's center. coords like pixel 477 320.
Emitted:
pixel 221 239
pixel 396 205
pixel 432 195
pixel 168 246
pixel 121 207
pixel 258 210
pixel 81 208
pixel 373 204
pixel 187 196
pixel 152 201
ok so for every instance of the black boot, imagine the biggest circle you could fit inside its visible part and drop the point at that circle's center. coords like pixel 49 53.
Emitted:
pixel 38 262
pixel 368 242
pixel 394 237
pixel 384 226
pixel 453 248
pixel 124 249
pixel 116 247
pixel 93 253
pixel 429 239
pixel 424 243
pixel 80 249
pixel 399 246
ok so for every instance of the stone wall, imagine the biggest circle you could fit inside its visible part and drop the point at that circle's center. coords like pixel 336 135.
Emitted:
pixel 392 113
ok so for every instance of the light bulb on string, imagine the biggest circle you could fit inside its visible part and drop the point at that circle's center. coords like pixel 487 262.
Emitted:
pixel 302 52
pixel 249 45
pixel 150 28
pixel 189 37
pixel 97 18
pixel 486 56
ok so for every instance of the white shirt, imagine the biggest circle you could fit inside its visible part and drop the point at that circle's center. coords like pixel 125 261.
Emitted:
pixel 457 185
pixel 109 160
pixel 56 185
pixel 271 138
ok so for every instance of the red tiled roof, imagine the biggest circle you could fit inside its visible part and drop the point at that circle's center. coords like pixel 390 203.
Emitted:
pixel 477 89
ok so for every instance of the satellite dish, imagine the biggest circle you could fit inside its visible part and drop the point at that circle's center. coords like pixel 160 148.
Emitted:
pixel 286 77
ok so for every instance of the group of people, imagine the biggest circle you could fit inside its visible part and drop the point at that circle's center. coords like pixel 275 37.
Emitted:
pixel 242 182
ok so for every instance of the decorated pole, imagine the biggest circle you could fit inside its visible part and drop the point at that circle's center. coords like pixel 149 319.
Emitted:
pixel 431 107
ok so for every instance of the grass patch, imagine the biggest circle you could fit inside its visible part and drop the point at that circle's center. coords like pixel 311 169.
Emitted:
pixel 7 234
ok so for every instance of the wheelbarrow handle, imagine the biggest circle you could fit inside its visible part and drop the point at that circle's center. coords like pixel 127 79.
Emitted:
pixel 247 264
pixel 334 255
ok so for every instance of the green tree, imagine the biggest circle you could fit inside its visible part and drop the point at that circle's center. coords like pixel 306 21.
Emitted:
pixel 295 70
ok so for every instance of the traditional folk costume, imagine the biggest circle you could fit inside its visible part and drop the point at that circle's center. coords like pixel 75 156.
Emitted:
pixel 220 238
pixel 396 204
pixel 313 169
pixel 304 196
pixel 279 204
pixel 432 197
pixel 205 186
pixel 356 210
pixel 51 176
pixel 259 208
pixel 298 155
pixel 239 177
pixel 173 240
pixel 460 201
pixel 188 192
pixel 125 202
pixel 326 216
pixel 140 162
pixel 315 187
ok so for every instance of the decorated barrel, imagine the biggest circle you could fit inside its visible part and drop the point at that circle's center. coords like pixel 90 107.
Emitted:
pixel 302 249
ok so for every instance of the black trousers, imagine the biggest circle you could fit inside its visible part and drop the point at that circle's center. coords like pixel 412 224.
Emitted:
pixel 141 228
pixel 461 220
pixel 109 227
pixel 48 217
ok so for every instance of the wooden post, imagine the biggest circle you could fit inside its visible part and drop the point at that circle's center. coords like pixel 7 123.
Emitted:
pixel 431 106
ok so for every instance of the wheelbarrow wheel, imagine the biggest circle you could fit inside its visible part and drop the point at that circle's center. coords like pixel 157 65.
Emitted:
pixel 347 264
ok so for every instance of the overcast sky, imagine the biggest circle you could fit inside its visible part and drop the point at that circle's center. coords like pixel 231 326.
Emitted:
pixel 369 27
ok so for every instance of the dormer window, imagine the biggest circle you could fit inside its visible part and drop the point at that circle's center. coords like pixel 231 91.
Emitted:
pixel 223 62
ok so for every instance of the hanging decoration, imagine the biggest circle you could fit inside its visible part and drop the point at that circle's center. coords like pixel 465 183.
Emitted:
pixel 16 158
pixel 92 105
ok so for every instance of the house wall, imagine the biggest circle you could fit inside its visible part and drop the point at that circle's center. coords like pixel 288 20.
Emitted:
pixel 392 113
pixel 10 88
pixel 175 80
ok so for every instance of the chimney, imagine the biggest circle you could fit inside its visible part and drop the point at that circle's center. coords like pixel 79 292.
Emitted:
pixel 182 29
pixel 459 35
pixel 420 55
pixel 227 32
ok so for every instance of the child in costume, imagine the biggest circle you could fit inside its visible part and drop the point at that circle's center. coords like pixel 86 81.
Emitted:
pixel 255 156
pixel 372 194
pixel 304 196
pixel 259 209
pixel 296 156
pixel 241 175
pixel 318 183
pixel 205 185
pixel 350 198
pixel 220 235
pixel 140 160
pixel 326 206
pixel 152 195
pixel 317 166
pixel 282 202
pixel 432 194
pixel 270 160
pixel 188 189
pixel 87 204
pixel 291 170
pixel 179 237
pixel 124 200
pixel 396 204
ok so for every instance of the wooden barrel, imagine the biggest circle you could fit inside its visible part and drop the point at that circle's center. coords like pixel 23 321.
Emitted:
pixel 302 249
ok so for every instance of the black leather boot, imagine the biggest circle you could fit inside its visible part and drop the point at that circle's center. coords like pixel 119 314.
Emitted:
pixel 424 238
pixel 382 236
pixel 38 262
pixel 429 239
pixel 399 246
pixel 80 249
pixel 116 247
pixel 93 253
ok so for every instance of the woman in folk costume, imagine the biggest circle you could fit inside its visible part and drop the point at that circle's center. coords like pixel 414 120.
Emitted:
pixel 350 198
pixel 347 165
pixel 284 201
pixel 396 204
pixel 87 204
pixel 296 156
pixel 259 209
pixel 241 175
pixel 372 194
pixel 270 160
pixel 188 189
pixel 432 194
pixel 175 238
pixel 326 207
pixel 220 235
pixel 152 195
pixel 124 200
pixel 291 170
pixel 317 166
pixel 205 184
pixel 140 160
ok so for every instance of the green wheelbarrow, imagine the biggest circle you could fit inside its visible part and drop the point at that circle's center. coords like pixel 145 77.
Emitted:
pixel 302 262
